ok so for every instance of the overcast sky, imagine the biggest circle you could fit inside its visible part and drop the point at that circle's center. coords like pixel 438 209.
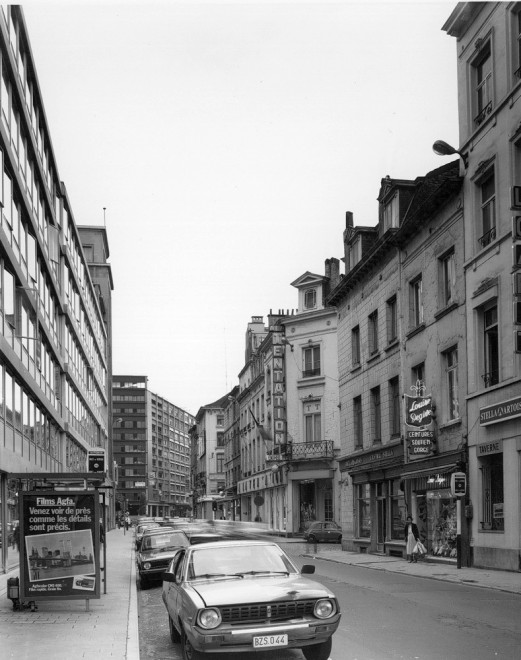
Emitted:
pixel 226 141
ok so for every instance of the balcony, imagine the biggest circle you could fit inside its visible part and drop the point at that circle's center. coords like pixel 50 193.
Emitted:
pixel 309 373
pixel 487 238
pixel 480 118
pixel 308 451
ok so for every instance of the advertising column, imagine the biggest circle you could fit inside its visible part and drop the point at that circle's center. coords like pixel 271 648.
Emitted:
pixel 59 546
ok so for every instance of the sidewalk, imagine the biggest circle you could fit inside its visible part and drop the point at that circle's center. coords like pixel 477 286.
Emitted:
pixel 500 580
pixel 64 629
pixel 60 630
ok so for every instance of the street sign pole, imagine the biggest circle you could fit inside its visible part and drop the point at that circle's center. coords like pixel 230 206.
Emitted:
pixel 458 531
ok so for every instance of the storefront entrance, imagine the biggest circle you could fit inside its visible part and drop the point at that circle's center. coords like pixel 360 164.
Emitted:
pixel 381 517
pixel 436 519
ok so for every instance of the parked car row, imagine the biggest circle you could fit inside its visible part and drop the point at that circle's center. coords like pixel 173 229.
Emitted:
pixel 233 595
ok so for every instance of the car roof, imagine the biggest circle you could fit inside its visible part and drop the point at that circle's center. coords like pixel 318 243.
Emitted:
pixel 228 543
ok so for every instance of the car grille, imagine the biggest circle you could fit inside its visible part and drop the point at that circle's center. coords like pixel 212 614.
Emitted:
pixel 267 611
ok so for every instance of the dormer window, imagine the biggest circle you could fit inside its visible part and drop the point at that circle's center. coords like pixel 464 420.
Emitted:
pixel 310 298
pixel 390 214
pixel 356 251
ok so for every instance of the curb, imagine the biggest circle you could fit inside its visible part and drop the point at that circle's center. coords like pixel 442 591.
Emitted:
pixel 133 623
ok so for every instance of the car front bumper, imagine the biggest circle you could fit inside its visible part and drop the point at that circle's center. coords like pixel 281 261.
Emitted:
pixel 240 637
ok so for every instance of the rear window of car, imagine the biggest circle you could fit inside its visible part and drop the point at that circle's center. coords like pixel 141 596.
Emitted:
pixel 164 541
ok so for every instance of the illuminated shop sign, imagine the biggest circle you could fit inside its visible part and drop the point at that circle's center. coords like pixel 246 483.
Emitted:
pixel 419 416
pixel 279 388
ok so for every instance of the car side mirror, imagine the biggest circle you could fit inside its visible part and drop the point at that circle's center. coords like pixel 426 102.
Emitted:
pixel 308 569
pixel 168 577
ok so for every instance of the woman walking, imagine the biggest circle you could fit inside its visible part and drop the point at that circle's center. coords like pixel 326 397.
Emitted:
pixel 412 536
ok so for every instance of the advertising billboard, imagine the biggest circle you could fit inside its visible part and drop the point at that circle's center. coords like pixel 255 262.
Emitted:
pixel 59 545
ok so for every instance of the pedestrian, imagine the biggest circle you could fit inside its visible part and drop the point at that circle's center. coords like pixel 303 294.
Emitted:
pixel 412 536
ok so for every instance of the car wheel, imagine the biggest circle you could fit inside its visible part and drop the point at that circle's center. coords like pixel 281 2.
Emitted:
pixel 174 635
pixel 312 538
pixel 318 651
pixel 143 582
pixel 189 653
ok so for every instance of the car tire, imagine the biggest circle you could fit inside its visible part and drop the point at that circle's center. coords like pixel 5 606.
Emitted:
pixel 312 539
pixel 143 581
pixel 174 635
pixel 318 651
pixel 189 653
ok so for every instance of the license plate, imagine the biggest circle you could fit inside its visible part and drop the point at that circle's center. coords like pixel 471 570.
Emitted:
pixel 267 641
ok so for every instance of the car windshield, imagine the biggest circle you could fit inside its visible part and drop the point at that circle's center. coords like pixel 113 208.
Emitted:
pixel 238 561
pixel 164 542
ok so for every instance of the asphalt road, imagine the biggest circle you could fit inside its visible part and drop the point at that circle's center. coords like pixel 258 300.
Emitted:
pixel 385 616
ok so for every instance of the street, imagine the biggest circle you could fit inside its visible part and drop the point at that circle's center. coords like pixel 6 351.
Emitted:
pixel 385 616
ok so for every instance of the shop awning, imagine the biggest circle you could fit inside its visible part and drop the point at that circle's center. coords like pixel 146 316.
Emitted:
pixel 434 478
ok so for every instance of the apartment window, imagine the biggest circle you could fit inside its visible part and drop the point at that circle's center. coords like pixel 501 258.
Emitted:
pixel 311 356
pixel 487 193
pixel 310 298
pixel 356 251
pixel 394 406
pixel 492 495
pixel 416 302
pixel 363 510
pixel 491 346
pixel 376 414
pixel 448 279
pixel 482 75
pixel 392 320
pixel 517 43
pixel 355 346
pixel 357 422
pixel 373 333
pixel 450 359
pixel 312 422
pixel 220 462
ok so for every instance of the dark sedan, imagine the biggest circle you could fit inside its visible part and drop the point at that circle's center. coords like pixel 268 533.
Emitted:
pixel 240 596
pixel 156 551
pixel 323 531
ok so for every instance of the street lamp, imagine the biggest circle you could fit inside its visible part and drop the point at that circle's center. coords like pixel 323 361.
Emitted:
pixel 442 148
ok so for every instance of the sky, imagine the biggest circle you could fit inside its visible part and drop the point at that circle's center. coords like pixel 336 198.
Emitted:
pixel 221 144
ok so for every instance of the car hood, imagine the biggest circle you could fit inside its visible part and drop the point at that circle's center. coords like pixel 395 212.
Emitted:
pixel 259 589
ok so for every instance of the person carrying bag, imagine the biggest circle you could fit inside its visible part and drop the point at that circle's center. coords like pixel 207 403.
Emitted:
pixel 412 536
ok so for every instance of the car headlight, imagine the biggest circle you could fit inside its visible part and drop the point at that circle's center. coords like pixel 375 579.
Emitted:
pixel 147 565
pixel 209 618
pixel 324 608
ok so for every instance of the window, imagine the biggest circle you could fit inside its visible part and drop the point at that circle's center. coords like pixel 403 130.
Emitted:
pixel 373 333
pixel 355 251
pixel 482 75
pixel 357 422
pixel 487 191
pixel 312 422
pixel 390 214
pixel 447 279
pixel 492 492
pixel 398 510
pixel 363 511
pixel 418 375
pixel 220 462
pixel 394 406
pixel 355 346
pixel 310 298
pixel 311 357
pixel 416 302
pixel 517 44
pixel 392 320
pixel 491 346
pixel 376 415
pixel 451 384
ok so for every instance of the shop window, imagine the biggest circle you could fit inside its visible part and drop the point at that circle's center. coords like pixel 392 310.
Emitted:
pixel 492 494
pixel 398 510
pixel 363 511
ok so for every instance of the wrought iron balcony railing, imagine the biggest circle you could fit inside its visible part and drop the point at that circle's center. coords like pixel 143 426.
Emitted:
pixel 487 238
pixel 305 451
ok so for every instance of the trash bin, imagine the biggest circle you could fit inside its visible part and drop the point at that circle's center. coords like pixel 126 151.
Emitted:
pixel 13 591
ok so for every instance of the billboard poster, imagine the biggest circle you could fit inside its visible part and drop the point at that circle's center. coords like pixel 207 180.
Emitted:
pixel 59 549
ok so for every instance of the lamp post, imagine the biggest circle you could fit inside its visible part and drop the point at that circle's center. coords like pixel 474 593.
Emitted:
pixel 442 148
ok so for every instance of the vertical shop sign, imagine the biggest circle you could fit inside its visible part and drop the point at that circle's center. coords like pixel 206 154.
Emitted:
pixel 59 547
pixel 419 418
pixel 279 387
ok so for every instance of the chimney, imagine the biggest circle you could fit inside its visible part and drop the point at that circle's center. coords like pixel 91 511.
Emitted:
pixel 349 219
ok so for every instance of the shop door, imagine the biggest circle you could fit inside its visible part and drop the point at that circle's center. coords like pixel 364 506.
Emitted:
pixel 307 504
pixel 381 518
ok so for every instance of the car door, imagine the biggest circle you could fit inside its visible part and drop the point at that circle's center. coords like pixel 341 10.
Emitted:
pixel 329 532
pixel 171 589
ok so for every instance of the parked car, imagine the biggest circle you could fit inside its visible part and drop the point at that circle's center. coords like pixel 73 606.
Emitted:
pixel 157 548
pixel 138 533
pixel 240 596
pixel 323 531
